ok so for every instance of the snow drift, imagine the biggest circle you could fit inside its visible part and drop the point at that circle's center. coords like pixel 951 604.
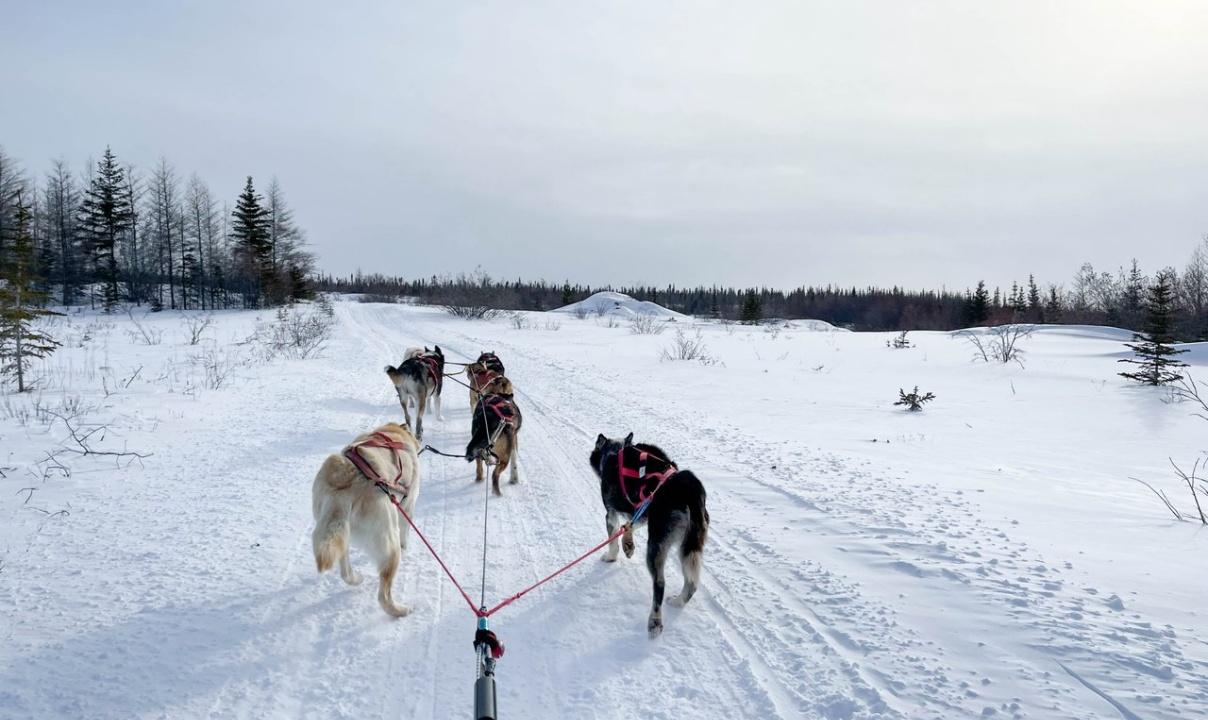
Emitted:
pixel 615 303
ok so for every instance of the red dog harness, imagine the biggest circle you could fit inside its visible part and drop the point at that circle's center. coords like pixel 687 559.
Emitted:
pixel 379 440
pixel 432 363
pixel 492 367
pixel 633 468
pixel 482 378
pixel 502 407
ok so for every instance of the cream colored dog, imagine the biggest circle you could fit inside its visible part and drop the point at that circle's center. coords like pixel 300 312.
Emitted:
pixel 349 507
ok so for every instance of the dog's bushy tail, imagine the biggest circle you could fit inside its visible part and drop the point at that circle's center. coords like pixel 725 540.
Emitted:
pixel 698 514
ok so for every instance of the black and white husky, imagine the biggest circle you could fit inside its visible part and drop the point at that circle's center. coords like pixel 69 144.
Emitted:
pixel 631 473
pixel 419 377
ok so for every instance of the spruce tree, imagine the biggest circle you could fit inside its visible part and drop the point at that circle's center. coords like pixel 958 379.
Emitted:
pixel 299 285
pixel 250 231
pixel 1052 306
pixel 1134 296
pixel 1154 353
pixel 21 300
pixel 752 308
pixel 105 215
pixel 568 296
pixel 977 305
pixel 62 198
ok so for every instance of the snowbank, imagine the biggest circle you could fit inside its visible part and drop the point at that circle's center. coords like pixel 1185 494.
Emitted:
pixel 615 303
pixel 1089 332
pixel 806 324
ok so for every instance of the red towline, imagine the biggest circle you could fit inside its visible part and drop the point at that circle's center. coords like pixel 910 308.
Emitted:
pixel 483 612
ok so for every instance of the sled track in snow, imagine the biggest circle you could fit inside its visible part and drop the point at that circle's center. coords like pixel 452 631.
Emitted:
pixel 833 588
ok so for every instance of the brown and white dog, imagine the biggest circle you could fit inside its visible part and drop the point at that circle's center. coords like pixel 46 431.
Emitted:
pixel 497 419
pixel 349 507
pixel 480 373
pixel 418 377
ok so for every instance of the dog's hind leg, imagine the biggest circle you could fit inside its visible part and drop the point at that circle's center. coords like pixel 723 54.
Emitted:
pixel 405 401
pixel 515 457
pixel 350 576
pixel 692 545
pixel 419 416
pixel 330 536
pixel 656 557
pixel 500 465
pixel 439 414
pixel 478 469
pixel 690 563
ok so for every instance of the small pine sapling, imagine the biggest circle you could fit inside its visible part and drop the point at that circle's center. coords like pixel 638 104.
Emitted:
pixel 1154 349
pixel 913 401
pixel 901 342
pixel 22 304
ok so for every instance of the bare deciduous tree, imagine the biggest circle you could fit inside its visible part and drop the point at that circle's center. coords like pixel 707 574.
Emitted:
pixel 1000 344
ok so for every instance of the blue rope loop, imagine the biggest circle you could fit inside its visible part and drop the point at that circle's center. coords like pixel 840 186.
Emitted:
pixel 637 514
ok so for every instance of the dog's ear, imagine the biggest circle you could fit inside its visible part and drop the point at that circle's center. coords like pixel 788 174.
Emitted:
pixel 628 439
pixel 438 352
pixel 600 440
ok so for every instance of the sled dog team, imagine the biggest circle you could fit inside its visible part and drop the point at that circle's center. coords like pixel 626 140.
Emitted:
pixel 350 507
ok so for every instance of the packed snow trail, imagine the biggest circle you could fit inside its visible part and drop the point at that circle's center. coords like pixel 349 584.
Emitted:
pixel 833 587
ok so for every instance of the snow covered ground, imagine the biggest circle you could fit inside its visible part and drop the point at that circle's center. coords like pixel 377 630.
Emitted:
pixel 986 557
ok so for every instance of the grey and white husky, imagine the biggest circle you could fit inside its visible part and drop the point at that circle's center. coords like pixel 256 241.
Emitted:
pixel 419 377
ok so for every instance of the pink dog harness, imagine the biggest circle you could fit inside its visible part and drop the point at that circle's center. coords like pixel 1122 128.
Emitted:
pixel 379 440
pixel 633 467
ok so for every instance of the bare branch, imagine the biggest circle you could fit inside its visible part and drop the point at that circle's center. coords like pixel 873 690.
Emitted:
pixel 1191 480
pixel 1161 496
pixel 127 381
pixel 81 441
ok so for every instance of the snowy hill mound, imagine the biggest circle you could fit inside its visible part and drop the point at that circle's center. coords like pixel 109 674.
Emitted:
pixel 615 303
pixel 807 325
pixel 1090 332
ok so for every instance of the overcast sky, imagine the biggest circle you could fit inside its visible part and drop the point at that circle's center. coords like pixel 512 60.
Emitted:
pixel 770 143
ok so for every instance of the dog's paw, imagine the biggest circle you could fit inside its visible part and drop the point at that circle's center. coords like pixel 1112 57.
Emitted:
pixel 399 611
pixel 353 578
pixel 677 601
pixel 514 481
pixel 628 546
pixel 609 557
pixel 655 627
